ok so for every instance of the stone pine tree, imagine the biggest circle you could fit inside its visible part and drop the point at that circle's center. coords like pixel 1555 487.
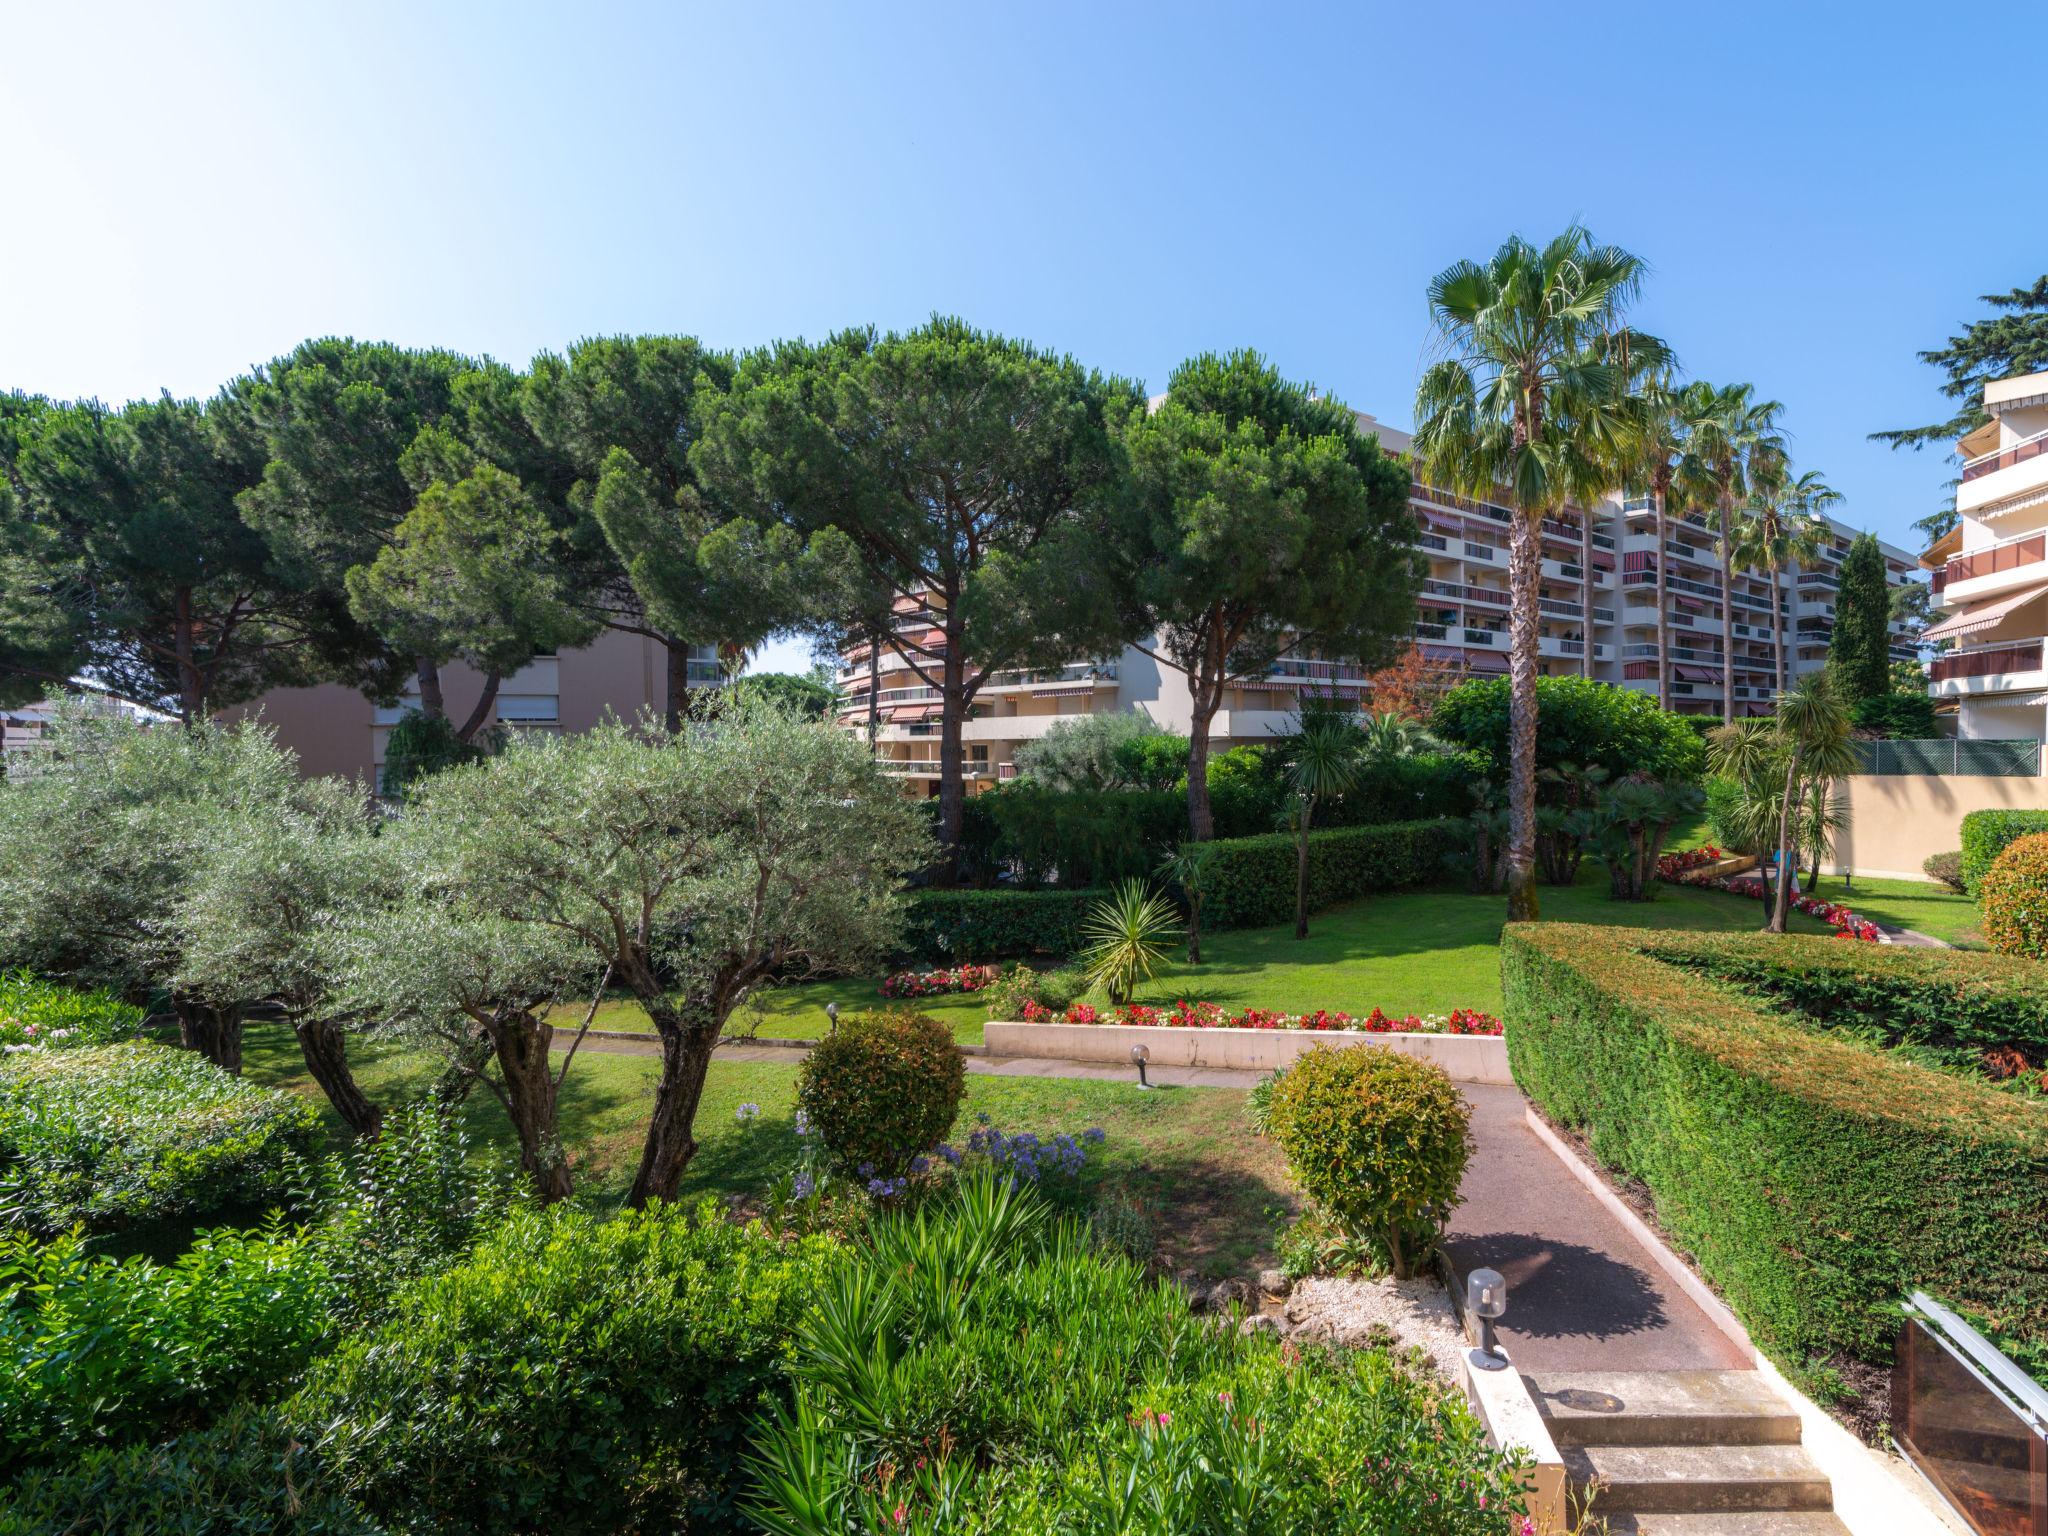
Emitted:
pixel 967 469
pixel 1859 653
pixel 1259 524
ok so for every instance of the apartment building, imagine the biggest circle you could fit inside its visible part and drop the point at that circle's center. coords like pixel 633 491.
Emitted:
pixel 1991 572
pixel 1597 594
pixel 335 730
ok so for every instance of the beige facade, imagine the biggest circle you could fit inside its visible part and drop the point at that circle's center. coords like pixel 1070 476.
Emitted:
pixel 1898 822
pixel 335 730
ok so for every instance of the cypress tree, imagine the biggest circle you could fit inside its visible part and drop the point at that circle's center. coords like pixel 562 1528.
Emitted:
pixel 1859 652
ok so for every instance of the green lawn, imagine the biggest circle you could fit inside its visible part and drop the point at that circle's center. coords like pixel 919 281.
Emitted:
pixel 1186 1150
pixel 1921 905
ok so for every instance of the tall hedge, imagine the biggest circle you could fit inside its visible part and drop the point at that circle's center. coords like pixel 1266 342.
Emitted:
pixel 1987 834
pixel 1251 881
pixel 985 925
pixel 1581 722
pixel 1816 1181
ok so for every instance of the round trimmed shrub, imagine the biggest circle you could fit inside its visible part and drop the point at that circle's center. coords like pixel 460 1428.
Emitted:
pixel 2014 894
pixel 882 1088
pixel 1379 1140
pixel 1946 869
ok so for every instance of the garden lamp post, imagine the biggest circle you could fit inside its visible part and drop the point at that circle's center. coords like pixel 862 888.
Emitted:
pixel 1486 1297
pixel 831 1018
pixel 1140 1054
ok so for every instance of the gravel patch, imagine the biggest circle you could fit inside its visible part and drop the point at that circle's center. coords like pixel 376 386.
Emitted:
pixel 1356 1313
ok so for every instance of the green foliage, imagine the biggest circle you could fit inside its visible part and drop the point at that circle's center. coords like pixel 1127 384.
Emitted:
pixel 2014 892
pixel 1859 652
pixel 98 1352
pixel 245 1476
pixel 1126 939
pixel 1815 1180
pixel 576 1375
pixel 2003 345
pixel 983 925
pixel 35 1012
pixel 1057 990
pixel 1987 834
pixel 1081 837
pixel 882 1088
pixel 1946 869
pixel 1586 723
pixel 1252 883
pixel 1627 825
pixel 1118 749
pixel 117 1135
pixel 806 697
pixel 986 1366
pixel 420 746
pixel 1379 1139
pixel 1896 716
pixel 1732 817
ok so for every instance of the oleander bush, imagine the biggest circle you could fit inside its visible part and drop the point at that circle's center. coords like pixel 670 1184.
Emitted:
pixel 2014 893
pixel 574 1375
pixel 982 1365
pixel 34 1012
pixel 1814 1180
pixel 1987 834
pixel 1251 879
pixel 1378 1139
pixel 136 1133
pixel 882 1088
pixel 980 925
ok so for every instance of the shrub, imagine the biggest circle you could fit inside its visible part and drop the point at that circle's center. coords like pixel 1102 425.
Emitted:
pixel 2014 893
pixel 1252 878
pixel 1020 987
pixel 118 1135
pixel 1946 869
pixel 1585 723
pixel 978 925
pixel 1896 716
pixel 882 1088
pixel 97 1351
pixel 1986 834
pixel 573 1375
pixel 34 1012
pixel 245 1476
pixel 1083 837
pixel 1377 1138
pixel 1727 818
pixel 1814 1180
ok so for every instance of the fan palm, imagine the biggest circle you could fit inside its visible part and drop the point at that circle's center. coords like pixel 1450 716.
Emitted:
pixel 1731 436
pixel 1324 763
pixel 1530 398
pixel 1780 526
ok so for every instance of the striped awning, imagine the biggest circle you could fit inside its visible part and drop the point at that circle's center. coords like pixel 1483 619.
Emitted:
pixel 1264 684
pixel 1486 661
pixel 1699 674
pixel 1983 618
pixel 901 713
pixel 1441 653
pixel 1440 522
pixel 1067 693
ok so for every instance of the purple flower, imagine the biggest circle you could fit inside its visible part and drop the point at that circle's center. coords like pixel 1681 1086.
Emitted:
pixel 747 1112
pixel 804 1186
pixel 920 1164
pixel 803 1123
pixel 865 1170
pixel 1094 1135
pixel 949 1152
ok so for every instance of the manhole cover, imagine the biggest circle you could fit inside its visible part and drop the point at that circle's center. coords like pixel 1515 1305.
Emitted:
pixel 1588 1402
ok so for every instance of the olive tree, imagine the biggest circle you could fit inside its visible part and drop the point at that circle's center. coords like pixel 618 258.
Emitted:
pixel 694 869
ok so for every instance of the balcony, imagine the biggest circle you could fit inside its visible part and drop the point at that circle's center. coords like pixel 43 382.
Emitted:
pixel 2011 555
pixel 1986 661
pixel 2004 458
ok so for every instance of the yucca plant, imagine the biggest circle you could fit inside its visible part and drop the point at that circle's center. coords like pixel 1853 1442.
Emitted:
pixel 1127 936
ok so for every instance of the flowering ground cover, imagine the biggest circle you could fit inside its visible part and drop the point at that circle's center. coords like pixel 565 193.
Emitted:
pixel 1186 1015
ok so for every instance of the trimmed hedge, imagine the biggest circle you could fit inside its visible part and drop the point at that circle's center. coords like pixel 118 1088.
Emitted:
pixel 2015 895
pixel 121 1135
pixel 983 925
pixel 1252 879
pixel 1987 834
pixel 1814 1180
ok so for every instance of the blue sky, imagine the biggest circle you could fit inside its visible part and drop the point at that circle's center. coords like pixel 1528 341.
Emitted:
pixel 1821 190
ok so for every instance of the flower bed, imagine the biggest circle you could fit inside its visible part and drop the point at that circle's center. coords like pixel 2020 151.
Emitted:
pixel 962 978
pixel 1677 868
pixel 1186 1015
pixel 1674 866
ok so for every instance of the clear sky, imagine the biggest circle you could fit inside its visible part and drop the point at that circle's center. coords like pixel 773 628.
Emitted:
pixel 1821 190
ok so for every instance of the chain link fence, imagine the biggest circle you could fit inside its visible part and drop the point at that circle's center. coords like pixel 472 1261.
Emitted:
pixel 1951 758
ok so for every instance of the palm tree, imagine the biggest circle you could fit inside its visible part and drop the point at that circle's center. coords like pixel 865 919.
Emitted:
pixel 1731 435
pixel 1529 399
pixel 1808 742
pixel 1780 526
pixel 1325 763
pixel 1660 443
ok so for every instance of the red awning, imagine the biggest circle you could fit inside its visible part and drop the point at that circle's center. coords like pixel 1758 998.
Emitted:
pixel 1441 653
pixel 1699 674
pixel 1266 684
pixel 1693 603
pixel 1439 521
pixel 1486 661
pixel 1066 693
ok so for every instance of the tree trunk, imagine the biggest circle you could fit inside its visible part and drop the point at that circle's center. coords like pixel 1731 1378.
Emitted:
pixel 432 705
pixel 874 695
pixel 522 1043
pixel 675 707
pixel 1586 586
pixel 191 696
pixel 1663 598
pixel 215 1033
pixel 1774 922
pixel 1727 620
pixel 686 1046
pixel 477 716
pixel 456 1079
pixel 1201 823
pixel 1194 929
pixel 1308 810
pixel 953 703
pixel 1777 631
pixel 1523 573
pixel 321 1042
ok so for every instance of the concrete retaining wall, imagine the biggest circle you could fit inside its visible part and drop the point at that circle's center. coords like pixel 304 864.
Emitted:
pixel 1467 1058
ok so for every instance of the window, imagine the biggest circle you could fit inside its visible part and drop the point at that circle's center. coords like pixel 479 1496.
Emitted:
pixel 529 708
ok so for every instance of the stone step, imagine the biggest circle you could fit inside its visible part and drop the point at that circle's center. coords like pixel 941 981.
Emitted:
pixel 1770 1522
pixel 1689 1479
pixel 1662 1408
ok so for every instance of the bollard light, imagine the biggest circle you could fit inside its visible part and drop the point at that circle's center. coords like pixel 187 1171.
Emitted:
pixel 1140 1054
pixel 1486 1297
pixel 831 1018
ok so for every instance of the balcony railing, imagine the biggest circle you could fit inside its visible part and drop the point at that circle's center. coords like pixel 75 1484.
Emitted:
pixel 2009 556
pixel 2004 458
pixel 1987 661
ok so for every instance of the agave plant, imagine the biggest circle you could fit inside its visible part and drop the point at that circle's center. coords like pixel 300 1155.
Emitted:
pixel 1127 937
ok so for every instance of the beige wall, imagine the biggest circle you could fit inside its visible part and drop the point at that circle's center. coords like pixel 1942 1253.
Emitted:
pixel 1897 823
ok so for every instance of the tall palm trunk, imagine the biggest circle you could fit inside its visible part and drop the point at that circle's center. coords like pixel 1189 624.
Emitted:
pixel 1308 809
pixel 1524 569
pixel 1663 621
pixel 1727 617
pixel 1781 895
pixel 1586 586
pixel 1778 620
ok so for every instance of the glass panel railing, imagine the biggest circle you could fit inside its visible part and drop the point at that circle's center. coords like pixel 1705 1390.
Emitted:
pixel 1972 1421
